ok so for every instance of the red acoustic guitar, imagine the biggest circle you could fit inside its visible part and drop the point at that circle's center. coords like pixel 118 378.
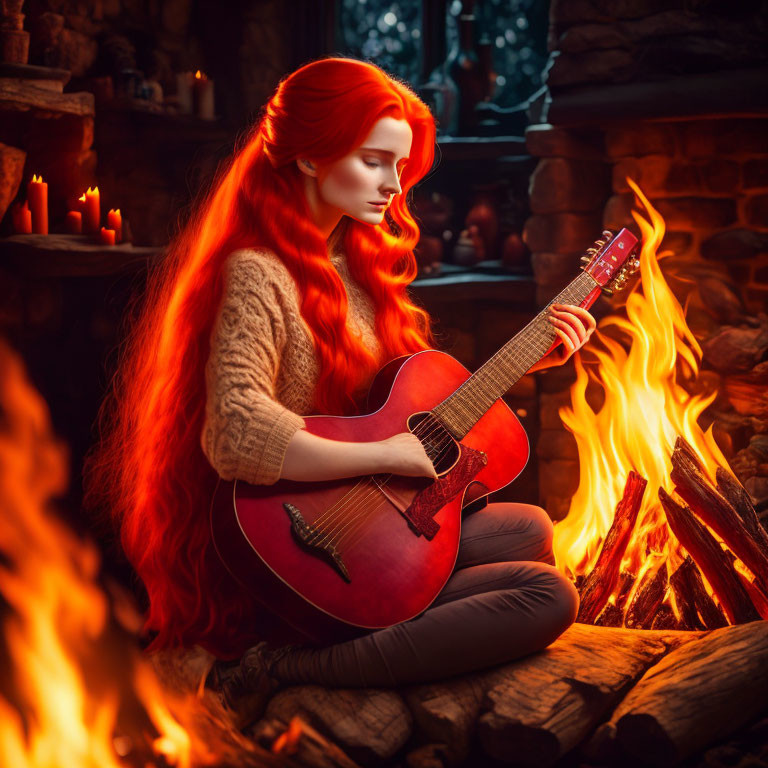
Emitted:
pixel 336 559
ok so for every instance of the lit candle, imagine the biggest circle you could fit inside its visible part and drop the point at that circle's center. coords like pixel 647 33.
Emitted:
pixel 22 219
pixel 115 221
pixel 107 236
pixel 37 195
pixel 91 208
pixel 203 96
pixel 74 222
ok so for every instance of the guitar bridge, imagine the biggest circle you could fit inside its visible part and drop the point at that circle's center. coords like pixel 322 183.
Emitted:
pixel 308 535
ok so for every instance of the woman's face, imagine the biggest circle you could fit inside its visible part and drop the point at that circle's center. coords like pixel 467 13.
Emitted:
pixel 362 184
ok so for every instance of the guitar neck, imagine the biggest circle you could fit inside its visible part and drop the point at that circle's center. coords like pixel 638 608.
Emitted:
pixel 460 411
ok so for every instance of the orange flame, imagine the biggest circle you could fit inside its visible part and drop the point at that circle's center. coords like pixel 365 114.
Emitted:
pixel 200 75
pixel 37 179
pixel 644 411
pixel 57 627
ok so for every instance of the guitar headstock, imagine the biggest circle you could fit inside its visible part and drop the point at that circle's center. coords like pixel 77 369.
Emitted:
pixel 612 259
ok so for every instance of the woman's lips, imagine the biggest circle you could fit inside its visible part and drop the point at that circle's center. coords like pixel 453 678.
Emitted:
pixel 378 205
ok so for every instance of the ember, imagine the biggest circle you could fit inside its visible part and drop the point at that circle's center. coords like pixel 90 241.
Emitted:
pixel 615 541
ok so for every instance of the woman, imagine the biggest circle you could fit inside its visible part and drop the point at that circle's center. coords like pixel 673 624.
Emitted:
pixel 283 296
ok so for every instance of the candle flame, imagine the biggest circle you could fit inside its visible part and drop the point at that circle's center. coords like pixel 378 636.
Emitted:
pixel 37 179
pixel 82 198
pixel 200 75
pixel 115 211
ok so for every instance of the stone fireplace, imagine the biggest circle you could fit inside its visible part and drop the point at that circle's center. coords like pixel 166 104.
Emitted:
pixel 674 99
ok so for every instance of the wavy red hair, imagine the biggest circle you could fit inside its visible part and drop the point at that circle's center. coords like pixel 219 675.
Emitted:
pixel 148 469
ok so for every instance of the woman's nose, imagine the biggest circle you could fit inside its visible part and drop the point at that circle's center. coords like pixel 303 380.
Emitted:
pixel 391 186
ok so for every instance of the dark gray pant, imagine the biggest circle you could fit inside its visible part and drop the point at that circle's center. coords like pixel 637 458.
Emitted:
pixel 505 599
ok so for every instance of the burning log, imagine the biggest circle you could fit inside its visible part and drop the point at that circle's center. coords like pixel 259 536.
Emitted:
pixel 613 613
pixel 612 616
pixel 665 619
pixel 601 582
pixel 737 495
pixel 710 557
pixel 717 513
pixel 542 706
pixel 648 597
pixel 369 725
pixel 696 695
pixel 298 743
pixel 626 582
pixel 697 609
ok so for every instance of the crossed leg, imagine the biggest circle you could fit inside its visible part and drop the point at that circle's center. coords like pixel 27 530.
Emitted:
pixel 504 600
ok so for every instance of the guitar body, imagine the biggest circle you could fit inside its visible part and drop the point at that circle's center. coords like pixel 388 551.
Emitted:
pixel 385 571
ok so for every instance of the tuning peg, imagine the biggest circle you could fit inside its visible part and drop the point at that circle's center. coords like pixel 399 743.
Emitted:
pixel 607 234
pixel 586 259
pixel 608 292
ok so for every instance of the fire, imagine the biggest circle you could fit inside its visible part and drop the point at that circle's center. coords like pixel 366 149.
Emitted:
pixel 75 691
pixel 641 359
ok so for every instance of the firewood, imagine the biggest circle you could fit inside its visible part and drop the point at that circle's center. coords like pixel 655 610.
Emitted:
pixel 611 616
pixel 445 713
pixel 601 582
pixel 613 613
pixel 737 495
pixel 697 609
pixel 429 756
pixel 709 556
pixel 369 724
pixel 665 619
pixel 682 445
pixel 717 513
pixel 542 706
pixel 648 597
pixel 626 582
pixel 696 695
pixel 759 600
pixel 302 745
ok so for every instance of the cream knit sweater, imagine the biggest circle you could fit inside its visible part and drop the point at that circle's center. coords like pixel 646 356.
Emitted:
pixel 262 370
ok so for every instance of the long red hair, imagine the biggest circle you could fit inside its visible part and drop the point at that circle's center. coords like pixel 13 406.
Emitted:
pixel 148 469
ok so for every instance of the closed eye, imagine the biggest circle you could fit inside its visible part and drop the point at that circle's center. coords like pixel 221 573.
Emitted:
pixel 371 164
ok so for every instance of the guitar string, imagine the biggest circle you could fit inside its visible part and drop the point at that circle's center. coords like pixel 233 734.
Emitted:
pixel 350 495
pixel 356 522
pixel 480 404
pixel 337 533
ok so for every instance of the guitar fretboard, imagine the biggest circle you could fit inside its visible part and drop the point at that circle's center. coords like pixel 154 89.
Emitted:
pixel 460 411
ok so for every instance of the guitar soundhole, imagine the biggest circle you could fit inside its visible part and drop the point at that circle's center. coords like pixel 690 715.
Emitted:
pixel 439 445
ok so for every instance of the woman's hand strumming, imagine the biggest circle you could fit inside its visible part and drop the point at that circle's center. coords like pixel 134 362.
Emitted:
pixel 405 455
pixel 313 458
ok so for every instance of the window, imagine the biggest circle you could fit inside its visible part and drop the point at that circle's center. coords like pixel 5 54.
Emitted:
pixel 389 34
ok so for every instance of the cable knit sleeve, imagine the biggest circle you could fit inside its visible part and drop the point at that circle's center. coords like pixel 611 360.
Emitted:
pixel 246 431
